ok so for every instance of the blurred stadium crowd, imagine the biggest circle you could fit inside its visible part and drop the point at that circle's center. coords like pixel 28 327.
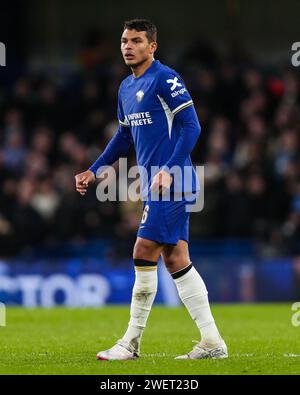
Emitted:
pixel 52 128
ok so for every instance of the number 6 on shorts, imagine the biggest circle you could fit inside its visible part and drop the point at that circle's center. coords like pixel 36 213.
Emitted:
pixel 145 214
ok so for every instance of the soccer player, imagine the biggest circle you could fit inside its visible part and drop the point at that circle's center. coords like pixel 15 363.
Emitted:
pixel 157 115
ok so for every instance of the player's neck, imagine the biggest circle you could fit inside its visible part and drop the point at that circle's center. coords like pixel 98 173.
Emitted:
pixel 141 68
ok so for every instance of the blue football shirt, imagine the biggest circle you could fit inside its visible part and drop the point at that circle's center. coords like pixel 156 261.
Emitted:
pixel 147 106
pixel 156 113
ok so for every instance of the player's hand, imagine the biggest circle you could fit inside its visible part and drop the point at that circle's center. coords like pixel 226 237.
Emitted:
pixel 83 180
pixel 161 182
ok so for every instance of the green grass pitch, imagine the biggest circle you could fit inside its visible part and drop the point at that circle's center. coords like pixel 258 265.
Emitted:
pixel 260 339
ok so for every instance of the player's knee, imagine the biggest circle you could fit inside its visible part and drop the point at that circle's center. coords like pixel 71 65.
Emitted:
pixel 170 263
pixel 143 250
pixel 175 263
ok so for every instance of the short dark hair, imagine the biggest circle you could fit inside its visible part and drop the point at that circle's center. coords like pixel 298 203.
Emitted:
pixel 142 25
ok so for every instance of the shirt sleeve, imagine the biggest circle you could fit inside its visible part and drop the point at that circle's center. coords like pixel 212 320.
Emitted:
pixel 118 146
pixel 189 134
pixel 173 93
pixel 121 117
pixel 172 90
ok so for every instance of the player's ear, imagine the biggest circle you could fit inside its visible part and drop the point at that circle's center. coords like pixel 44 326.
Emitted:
pixel 153 46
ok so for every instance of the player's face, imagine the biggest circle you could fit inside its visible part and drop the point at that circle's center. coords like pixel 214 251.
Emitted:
pixel 136 48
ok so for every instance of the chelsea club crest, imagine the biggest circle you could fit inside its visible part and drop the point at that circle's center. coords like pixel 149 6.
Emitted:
pixel 139 96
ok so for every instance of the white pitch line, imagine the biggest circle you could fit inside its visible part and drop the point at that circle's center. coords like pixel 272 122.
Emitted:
pixel 246 355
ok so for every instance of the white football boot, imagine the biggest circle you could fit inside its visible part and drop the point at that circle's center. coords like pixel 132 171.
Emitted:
pixel 121 351
pixel 205 351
